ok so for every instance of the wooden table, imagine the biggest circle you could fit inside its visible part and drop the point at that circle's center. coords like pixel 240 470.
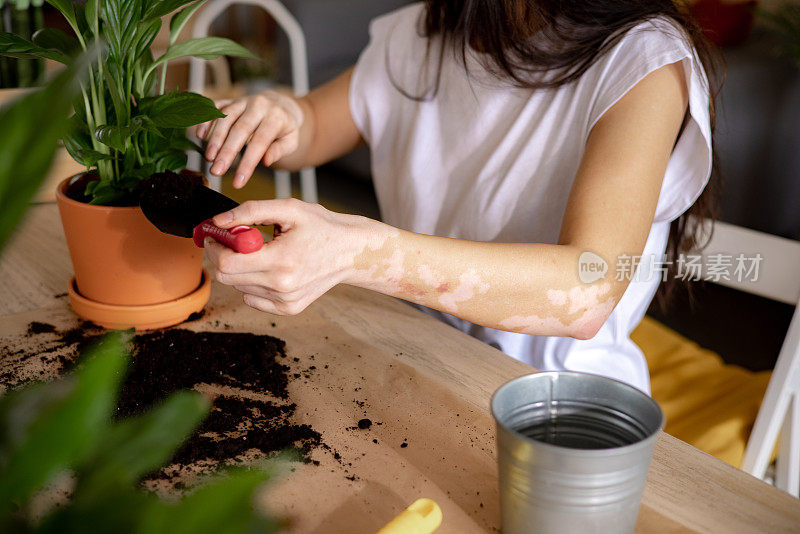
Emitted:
pixel 430 385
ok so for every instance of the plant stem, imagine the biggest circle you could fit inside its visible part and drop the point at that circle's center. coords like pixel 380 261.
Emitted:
pixel 163 78
pixel 38 24
pixel 136 149
pixel 22 27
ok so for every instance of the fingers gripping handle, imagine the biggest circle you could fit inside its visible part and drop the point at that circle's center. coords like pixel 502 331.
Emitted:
pixel 239 238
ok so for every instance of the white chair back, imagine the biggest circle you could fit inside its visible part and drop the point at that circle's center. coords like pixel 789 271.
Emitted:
pixel 778 278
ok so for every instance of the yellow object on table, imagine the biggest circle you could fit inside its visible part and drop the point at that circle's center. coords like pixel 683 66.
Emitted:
pixel 707 403
pixel 422 517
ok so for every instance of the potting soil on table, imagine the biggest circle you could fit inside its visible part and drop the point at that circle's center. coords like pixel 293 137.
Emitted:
pixel 167 361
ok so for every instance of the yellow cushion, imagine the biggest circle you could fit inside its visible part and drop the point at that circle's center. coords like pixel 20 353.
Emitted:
pixel 707 403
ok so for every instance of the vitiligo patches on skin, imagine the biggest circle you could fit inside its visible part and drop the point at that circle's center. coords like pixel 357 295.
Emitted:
pixel 385 264
pixel 581 310
pixel 469 286
pixel 381 258
pixel 427 275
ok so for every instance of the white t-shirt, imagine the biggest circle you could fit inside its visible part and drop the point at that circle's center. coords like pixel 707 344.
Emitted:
pixel 485 161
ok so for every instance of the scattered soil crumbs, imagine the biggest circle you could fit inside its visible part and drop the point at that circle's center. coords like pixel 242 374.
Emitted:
pixel 246 424
pixel 195 316
pixel 40 328
pixel 364 424
pixel 166 361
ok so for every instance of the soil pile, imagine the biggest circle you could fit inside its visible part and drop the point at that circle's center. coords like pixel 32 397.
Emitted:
pixel 171 360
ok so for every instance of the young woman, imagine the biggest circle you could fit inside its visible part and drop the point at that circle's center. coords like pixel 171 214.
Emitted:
pixel 527 156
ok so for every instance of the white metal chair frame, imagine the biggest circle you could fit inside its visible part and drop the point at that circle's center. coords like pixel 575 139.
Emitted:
pixel 299 60
pixel 778 420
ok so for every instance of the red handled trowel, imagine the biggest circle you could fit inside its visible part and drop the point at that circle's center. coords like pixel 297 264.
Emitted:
pixel 179 204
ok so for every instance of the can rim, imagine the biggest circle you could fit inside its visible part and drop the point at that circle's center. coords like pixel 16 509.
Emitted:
pixel 610 451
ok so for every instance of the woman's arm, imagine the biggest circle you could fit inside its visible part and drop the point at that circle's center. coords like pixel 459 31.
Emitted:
pixel 282 131
pixel 529 288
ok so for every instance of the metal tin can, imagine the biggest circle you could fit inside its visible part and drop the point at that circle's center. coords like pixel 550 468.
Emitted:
pixel 573 452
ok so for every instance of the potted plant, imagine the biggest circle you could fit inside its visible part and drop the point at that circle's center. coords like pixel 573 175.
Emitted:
pixel 125 129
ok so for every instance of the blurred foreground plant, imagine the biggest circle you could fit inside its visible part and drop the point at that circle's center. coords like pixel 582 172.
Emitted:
pixel 31 128
pixel 63 431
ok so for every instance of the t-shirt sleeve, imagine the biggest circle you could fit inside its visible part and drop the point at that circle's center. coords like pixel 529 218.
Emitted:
pixel 644 49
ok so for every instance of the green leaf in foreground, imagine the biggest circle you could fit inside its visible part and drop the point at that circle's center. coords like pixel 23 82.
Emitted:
pixel 140 445
pixel 223 507
pixel 49 427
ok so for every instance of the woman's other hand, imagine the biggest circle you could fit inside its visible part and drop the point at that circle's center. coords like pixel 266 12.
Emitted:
pixel 281 131
pixel 268 122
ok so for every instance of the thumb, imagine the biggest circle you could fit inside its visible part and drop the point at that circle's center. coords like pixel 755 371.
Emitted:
pixel 282 212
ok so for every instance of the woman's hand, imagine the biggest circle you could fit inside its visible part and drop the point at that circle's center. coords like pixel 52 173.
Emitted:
pixel 269 122
pixel 313 250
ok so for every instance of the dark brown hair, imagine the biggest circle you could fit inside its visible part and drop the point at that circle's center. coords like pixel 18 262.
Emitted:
pixel 520 40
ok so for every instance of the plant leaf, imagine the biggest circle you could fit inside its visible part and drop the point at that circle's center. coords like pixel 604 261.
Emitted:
pixel 223 506
pixel 105 193
pixel 147 32
pixel 206 48
pixel 120 105
pixel 116 512
pixel 77 140
pixel 179 110
pixel 159 8
pixel 50 427
pixel 184 143
pixel 119 17
pixel 179 20
pixel 66 8
pixel 91 14
pixel 140 445
pixel 53 39
pixel 116 136
pixel 15 46
pixel 30 130
pixel 172 161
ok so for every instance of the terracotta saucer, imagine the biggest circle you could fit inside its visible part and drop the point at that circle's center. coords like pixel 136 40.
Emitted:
pixel 145 317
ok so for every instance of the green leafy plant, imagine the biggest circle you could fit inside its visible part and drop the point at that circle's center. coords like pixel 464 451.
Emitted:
pixel 785 25
pixel 48 430
pixel 124 123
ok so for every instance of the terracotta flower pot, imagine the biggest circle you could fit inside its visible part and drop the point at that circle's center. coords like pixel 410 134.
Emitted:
pixel 124 266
